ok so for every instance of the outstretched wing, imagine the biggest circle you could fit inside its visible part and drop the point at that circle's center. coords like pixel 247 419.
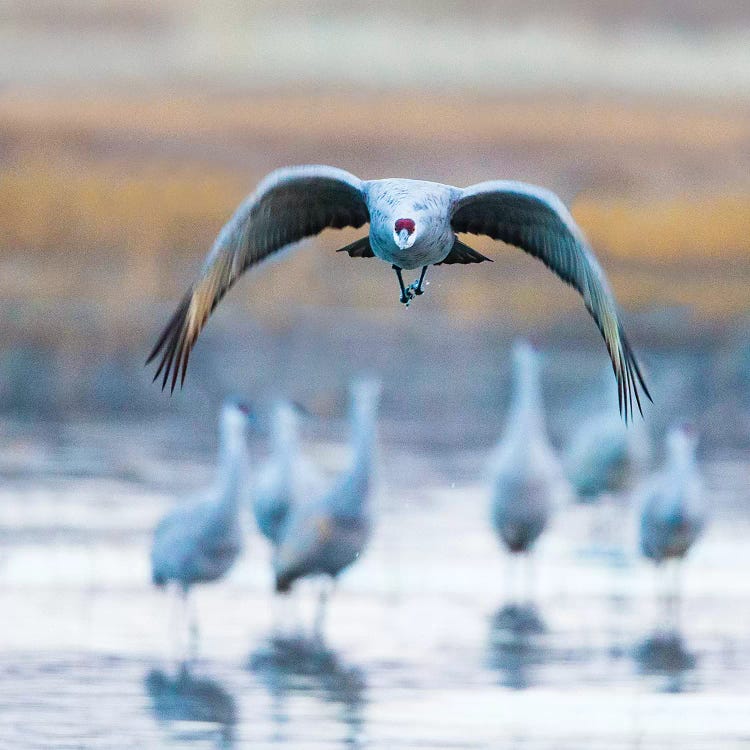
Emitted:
pixel 289 205
pixel 536 221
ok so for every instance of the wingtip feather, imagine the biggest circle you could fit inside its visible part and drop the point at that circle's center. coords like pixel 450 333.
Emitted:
pixel 173 347
pixel 630 380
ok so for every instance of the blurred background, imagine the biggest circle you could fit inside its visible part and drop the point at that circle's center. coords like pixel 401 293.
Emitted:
pixel 130 130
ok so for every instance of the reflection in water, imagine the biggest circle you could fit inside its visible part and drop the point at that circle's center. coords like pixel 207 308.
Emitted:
pixel 513 644
pixel 298 665
pixel 664 653
pixel 185 697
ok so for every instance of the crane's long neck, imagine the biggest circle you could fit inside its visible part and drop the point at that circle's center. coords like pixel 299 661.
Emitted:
pixel 285 437
pixel 233 466
pixel 681 456
pixel 354 489
pixel 526 418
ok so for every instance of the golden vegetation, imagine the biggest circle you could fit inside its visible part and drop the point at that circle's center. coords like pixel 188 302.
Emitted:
pixel 702 228
pixel 156 217
pixel 115 223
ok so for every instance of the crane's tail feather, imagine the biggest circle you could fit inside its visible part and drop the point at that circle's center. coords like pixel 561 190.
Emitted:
pixel 463 254
pixel 361 248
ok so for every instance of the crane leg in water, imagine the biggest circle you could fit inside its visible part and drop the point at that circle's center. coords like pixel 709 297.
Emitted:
pixel 286 616
pixel 674 597
pixel 326 591
pixel 190 624
pixel 529 584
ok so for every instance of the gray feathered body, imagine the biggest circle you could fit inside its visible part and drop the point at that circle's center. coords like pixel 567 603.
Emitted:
pixel 600 460
pixel 428 203
pixel 673 511
pixel 199 542
pixel 195 544
pixel 605 456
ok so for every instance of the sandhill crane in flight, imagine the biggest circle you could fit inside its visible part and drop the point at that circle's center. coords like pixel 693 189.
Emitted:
pixel 413 224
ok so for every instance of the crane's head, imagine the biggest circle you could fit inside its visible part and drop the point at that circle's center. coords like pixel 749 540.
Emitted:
pixel 682 439
pixel 404 233
pixel 237 414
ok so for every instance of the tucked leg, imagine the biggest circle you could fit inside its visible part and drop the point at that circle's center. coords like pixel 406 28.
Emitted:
pixel 418 284
pixel 407 295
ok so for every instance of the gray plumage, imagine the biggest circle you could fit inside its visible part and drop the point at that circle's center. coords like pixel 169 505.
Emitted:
pixel 603 456
pixel 325 535
pixel 297 202
pixel 525 472
pixel 199 541
pixel 673 511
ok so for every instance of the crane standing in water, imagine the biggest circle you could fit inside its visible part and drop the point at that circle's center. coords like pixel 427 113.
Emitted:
pixel 673 511
pixel 325 535
pixel 525 472
pixel 199 541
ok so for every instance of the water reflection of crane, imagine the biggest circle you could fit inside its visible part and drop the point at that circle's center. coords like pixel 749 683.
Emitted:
pixel 186 697
pixel 295 667
pixel 666 655
pixel 515 644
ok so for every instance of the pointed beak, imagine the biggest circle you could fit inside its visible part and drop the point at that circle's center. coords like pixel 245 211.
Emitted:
pixel 403 238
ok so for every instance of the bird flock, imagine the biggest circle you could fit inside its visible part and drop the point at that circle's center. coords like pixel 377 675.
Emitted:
pixel 318 527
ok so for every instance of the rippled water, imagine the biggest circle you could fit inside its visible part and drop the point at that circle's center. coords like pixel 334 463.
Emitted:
pixel 422 649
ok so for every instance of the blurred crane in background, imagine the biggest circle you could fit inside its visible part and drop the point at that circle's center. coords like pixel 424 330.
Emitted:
pixel 526 475
pixel 325 535
pixel 673 511
pixel 199 541
pixel 603 462
pixel 287 477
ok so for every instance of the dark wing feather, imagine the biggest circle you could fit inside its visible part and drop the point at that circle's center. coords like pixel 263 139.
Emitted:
pixel 289 205
pixel 461 253
pixel 358 249
pixel 536 221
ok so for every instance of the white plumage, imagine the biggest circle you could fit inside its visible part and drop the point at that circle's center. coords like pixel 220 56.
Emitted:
pixel 413 224
pixel 327 534
pixel 526 474
pixel 199 541
pixel 673 510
